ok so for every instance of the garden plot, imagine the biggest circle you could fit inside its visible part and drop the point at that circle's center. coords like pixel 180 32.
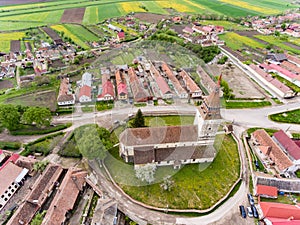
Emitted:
pixel 73 15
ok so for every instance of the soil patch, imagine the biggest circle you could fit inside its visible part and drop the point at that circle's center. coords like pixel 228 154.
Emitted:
pixel 292 45
pixel 150 17
pixel 5 84
pixel 73 15
pixel 42 99
pixel 238 81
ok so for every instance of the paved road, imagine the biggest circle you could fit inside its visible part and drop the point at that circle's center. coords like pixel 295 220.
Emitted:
pixel 244 117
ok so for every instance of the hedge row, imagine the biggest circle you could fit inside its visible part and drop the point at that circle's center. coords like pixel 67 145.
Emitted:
pixel 41 131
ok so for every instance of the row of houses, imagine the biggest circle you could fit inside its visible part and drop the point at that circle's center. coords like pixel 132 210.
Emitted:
pixel 279 152
pixel 205 35
pixel 67 184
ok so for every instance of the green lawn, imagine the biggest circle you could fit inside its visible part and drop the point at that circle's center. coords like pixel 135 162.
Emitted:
pixel 286 199
pixel 197 186
pixel 269 131
pixel 287 117
pixel 246 104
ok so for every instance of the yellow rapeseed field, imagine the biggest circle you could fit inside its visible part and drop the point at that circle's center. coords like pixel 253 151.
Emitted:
pixel 128 7
pixel 246 5
pixel 7 37
pixel 69 34
pixel 177 6
pixel 195 4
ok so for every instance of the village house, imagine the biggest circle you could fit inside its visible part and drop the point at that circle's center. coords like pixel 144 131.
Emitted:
pixel 275 85
pixel 11 176
pixel 106 92
pixel 176 84
pixel 278 213
pixel 175 145
pixel 266 191
pixel 65 199
pixel 164 88
pixel 121 86
pixel 288 146
pixel 65 95
pixel 85 94
pixel 192 88
pixel 121 36
pixel 139 93
pixel 272 153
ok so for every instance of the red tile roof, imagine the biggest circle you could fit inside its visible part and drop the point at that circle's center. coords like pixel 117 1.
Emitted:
pixel 280 211
pixel 107 89
pixel 161 83
pixel 266 190
pixel 288 144
pixel 85 91
pixel 173 79
pixel 189 82
pixel 280 159
pixel 294 59
pixel 139 93
pixel 13 158
pixel 291 67
pixel 65 198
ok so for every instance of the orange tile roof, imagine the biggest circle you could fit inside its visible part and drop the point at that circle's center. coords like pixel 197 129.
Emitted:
pixel 189 82
pixel 173 79
pixel 65 198
pixel 280 159
pixel 266 190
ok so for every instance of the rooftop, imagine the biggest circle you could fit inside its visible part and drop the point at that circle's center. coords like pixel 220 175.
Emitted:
pixel 8 175
pixel 266 190
pixel 280 159
pixel 158 135
pixel 288 144
pixel 280 211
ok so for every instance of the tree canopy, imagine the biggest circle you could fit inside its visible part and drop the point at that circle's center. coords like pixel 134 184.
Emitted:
pixel 37 115
pixel 9 117
pixel 93 141
pixel 139 120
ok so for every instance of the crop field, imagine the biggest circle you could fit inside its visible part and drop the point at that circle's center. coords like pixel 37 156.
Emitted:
pixel 236 41
pixel 16 25
pixel 129 7
pixel 277 42
pixel 6 38
pixel 97 11
pixel 77 33
pixel 226 24
pixel 73 15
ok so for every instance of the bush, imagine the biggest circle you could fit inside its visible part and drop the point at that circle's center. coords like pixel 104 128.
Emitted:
pixel 35 131
pixel 10 145
pixel 222 60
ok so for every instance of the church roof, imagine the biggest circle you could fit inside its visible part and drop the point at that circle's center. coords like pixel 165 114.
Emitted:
pixel 158 135
pixel 144 155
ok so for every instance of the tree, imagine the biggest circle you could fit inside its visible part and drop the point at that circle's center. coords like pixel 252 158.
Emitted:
pixel 90 144
pixel 139 120
pixel 167 184
pixel 38 218
pixel 9 117
pixel 146 173
pixel 40 116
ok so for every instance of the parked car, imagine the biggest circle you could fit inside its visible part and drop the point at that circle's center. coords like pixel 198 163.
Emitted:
pixel 251 200
pixel 242 211
pixel 249 211
pixel 254 210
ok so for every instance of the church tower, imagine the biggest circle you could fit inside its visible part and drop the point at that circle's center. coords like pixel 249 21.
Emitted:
pixel 208 116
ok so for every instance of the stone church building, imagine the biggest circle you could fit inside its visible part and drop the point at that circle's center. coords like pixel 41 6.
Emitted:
pixel 175 145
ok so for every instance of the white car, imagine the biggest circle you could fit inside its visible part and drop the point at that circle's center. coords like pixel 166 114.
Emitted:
pixel 249 211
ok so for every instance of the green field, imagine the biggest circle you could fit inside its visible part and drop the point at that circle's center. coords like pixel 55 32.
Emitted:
pixel 278 42
pixel 287 117
pixel 77 33
pixel 226 24
pixel 5 39
pixel 50 12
